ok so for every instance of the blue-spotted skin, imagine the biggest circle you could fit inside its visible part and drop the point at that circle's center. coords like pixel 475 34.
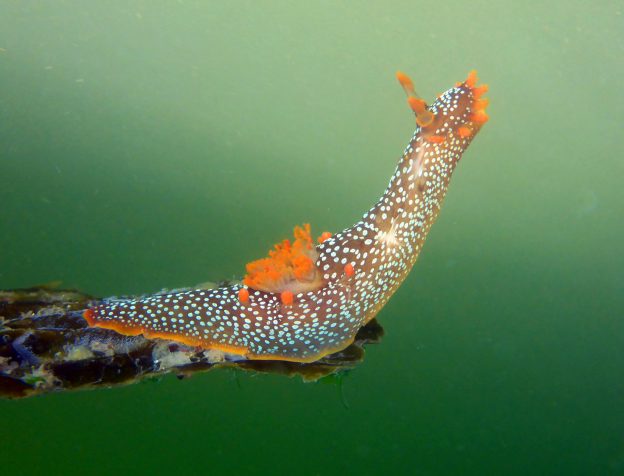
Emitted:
pixel 382 248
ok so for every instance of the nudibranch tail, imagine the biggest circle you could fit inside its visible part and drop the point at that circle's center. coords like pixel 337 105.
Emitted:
pixel 305 301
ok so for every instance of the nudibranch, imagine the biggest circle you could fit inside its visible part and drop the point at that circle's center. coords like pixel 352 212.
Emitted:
pixel 309 299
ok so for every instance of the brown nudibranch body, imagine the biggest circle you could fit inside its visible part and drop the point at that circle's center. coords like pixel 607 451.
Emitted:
pixel 308 300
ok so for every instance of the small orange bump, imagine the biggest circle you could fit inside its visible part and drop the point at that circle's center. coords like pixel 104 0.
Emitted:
pixel 406 82
pixel 287 298
pixel 324 236
pixel 435 139
pixel 480 117
pixel 479 91
pixel 243 295
pixel 463 131
pixel 417 104
pixel 481 103
pixel 471 80
pixel 348 269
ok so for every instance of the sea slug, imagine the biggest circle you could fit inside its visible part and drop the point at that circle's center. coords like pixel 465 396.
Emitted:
pixel 308 299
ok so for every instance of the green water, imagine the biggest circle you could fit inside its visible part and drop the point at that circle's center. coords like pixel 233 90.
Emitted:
pixel 159 144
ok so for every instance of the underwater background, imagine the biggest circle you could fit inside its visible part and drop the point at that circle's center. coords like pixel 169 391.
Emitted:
pixel 153 144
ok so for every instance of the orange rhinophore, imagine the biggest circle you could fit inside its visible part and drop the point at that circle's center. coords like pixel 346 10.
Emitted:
pixel 418 105
pixel 424 117
pixel 406 83
pixel 289 266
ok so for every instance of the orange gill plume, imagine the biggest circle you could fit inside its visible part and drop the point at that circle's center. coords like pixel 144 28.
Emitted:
pixel 289 268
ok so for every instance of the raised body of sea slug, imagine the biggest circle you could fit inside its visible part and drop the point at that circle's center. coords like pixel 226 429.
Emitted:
pixel 308 300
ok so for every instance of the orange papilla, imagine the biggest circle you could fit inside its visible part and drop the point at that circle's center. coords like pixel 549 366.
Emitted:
pixel 348 269
pixel 435 139
pixel 243 295
pixel 481 103
pixel 324 236
pixel 471 80
pixel 479 90
pixel 463 131
pixel 480 117
pixel 287 298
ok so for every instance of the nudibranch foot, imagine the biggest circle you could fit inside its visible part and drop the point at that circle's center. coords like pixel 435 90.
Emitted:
pixel 307 300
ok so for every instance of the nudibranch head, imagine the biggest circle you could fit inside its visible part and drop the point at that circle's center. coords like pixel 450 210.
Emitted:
pixel 290 267
pixel 462 112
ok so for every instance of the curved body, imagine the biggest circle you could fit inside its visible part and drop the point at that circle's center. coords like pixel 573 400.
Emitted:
pixel 361 267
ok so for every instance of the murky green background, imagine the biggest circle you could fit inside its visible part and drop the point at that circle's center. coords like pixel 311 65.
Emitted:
pixel 150 144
